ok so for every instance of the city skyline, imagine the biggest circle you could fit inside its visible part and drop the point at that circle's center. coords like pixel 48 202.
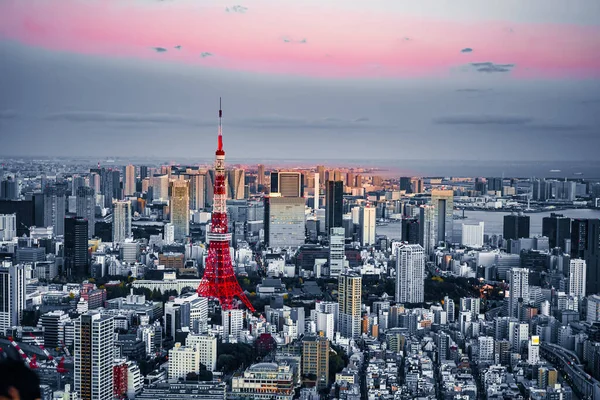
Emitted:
pixel 406 79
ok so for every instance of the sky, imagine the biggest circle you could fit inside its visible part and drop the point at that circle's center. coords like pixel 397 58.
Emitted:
pixel 325 80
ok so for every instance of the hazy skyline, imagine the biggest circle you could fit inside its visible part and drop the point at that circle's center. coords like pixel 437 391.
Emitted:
pixel 343 80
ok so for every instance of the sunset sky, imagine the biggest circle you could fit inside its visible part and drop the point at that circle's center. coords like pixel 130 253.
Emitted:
pixel 394 79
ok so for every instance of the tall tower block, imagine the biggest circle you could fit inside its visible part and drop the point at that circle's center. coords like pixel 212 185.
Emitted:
pixel 219 281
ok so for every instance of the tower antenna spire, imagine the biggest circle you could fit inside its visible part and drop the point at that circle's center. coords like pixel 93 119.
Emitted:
pixel 220 148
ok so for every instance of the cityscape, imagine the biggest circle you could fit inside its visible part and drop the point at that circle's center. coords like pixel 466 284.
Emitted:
pixel 284 226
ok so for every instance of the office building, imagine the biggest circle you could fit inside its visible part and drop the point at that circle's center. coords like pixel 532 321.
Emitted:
pixel 547 377
pixel 405 184
pixel 233 322
pixel 183 360
pixel 25 211
pixel 121 221
pixel 9 189
pixel 94 354
pixel 287 184
pixel 533 351
pixel 86 207
pixel 54 209
pixel 207 349
pixel 260 175
pixel 325 324
pixel 315 359
pixel 54 324
pixel 410 274
pixel 76 246
pixel 264 381
pixel 197 191
pixel 472 235
pixel 160 187
pixel 367 222
pixel 284 221
pixel 334 200
pixel 557 228
pixel 12 295
pixel 8 227
pixel 236 179
pixel 443 201
pixel 180 209
pixel 516 226
pixel 585 244
pixel 577 281
pixel 410 230
pixel 350 300
pixel 317 190
pixel 518 290
pixel 428 228
pixel 337 251
pixel 129 185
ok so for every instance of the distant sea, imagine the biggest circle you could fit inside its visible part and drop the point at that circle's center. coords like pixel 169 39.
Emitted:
pixel 492 221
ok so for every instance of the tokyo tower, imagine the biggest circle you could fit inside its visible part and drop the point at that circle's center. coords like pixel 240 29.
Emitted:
pixel 219 281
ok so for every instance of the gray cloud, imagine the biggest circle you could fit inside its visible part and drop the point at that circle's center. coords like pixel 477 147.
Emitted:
pixel 8 114
pixel 467 50
pixel 236 9
pixel 482 120
pixel 490 67
pixel 159 49
pixel 287 39
pixel 178 47
pixel 472 90
pixel 558 127
pixel 100 116
pixel 205 54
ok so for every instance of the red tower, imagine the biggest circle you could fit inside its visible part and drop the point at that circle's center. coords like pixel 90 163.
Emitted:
pixel 219 281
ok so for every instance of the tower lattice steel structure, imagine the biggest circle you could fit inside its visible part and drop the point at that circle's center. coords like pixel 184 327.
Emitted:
pixel 219 281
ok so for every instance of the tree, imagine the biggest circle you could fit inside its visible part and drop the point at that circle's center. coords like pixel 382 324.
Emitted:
pixel 227 363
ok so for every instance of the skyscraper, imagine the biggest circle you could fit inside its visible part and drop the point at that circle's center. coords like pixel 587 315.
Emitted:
pixel 577 275
pixel 405 184
pixel 472 235
pixel 197 191
pixel 8 226
pixel 94 354
pixel 585 244
pixel 317 192
pixel 86 207
pixel 443 201
pixel 287 183
pixel 129 180
pixel 410 230
pixel 337 237
pixel 121 220
pixel 349 298
pixel 367 225
pixel 260 175
pixel 557 228
pixel 76 246
pixel 106 186
pixel 334 201
pixel 9 189
pixel 180 209
pixel 54 208
pixel 12 295
pixel 160 187
pixel 143 172
pixel 236 180
pixel 516 226
pixel 519 290
pixel 284 221
pixel 410 274
pixel 428 228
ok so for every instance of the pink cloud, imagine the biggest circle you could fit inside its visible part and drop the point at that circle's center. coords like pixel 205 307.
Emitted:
pixel 339 44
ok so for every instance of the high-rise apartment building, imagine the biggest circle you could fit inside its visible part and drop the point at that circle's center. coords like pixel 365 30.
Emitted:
pixel 367 221
pixel 121 220
pixel 519 290
pixel 428 228
pixel 349 299
pixel 315 359
pixel 472 235
pixel 207 348
pixel 183 360
pixel 449 308
pixel 86 207
pixel 443 201
pixel 557 228
pixel 233 322
pixel 129 186
pixel 317 190
pixel 180 209
pixel 337 251
pixel 334 200
pixel 284 221
pixel 54 209
pixel 410 274
pixel 577 275
pixel 12 295
pixel 585 244
pixel 76 246
pixel 94 355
